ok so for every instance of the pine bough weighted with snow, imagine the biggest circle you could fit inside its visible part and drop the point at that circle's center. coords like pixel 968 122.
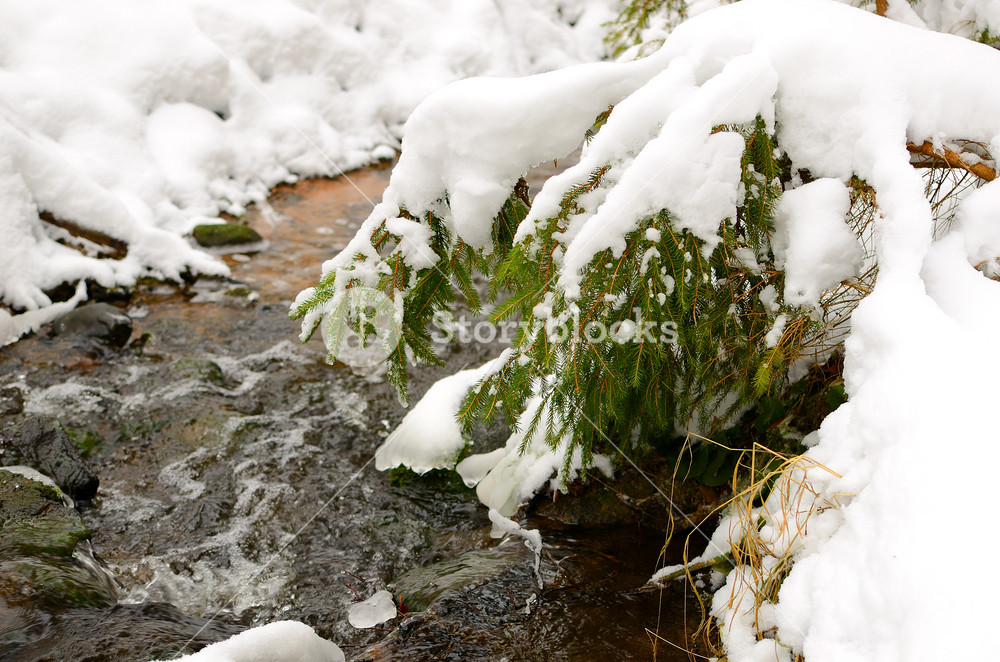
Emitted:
pixel 716 195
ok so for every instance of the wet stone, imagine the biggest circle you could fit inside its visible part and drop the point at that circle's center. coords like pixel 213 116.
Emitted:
pixel 461 608
pixel 11 401
pixel 203 370
pixel 419 588
pixel 120 633
pixel 44 445
pixel 34 520
pixel 99 321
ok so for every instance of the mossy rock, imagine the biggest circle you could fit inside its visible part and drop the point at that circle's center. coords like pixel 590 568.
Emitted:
pixel 38 536
pixel 45 445
pixel 225 234
pixel 88 442
pixel 34 520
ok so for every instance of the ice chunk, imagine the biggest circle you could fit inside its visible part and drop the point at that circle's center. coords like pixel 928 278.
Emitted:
pixel 377 609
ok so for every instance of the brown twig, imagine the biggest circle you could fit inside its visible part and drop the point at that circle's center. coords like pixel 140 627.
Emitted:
pixel 952 159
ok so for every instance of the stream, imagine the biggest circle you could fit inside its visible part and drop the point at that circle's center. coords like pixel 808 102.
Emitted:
pixel 237 487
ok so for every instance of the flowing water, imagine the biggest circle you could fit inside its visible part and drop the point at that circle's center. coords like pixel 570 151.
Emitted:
pixel 237 486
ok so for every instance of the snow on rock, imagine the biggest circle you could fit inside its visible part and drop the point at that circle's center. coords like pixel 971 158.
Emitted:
pixel 283 641
pixel 377 609
pixel 12 327
pixel 812 241
pixel 142 120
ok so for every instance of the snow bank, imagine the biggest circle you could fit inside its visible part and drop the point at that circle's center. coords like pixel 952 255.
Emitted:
pixel 874 575
pixel 284 641
pixel 138 121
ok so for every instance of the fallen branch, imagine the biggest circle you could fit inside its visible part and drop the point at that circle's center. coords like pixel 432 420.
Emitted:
pixel 660 580
pixel 116 248
pixel 953 160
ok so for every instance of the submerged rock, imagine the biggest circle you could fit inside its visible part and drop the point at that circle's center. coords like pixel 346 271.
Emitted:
pixel 99 321
pixel 44 445
pixel 225 234
pixel 461 608
pixel 11 401
pixel 120 633
pixel 34 519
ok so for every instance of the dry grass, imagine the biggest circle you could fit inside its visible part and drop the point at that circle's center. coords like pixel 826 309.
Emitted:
pixel 768 518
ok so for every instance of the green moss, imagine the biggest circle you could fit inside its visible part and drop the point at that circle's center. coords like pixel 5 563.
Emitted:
pixel 203 370
pixel 225 234
pixel 87 441
pixel 438 480
pixel 419 587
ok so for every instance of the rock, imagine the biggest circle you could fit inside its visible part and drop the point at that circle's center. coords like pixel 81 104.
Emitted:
pixel 421 587
pixel 99 321
pixel 225 234
pixel 34 520
pixel 44 445
pixel 202 370
pixel 121 633
pixel 11 401
pixel 39 535
pixel 467 605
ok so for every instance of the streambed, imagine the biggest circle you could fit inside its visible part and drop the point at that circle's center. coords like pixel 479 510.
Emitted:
pixel 237 486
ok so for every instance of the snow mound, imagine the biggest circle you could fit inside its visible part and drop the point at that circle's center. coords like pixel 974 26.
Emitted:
pixel 283 641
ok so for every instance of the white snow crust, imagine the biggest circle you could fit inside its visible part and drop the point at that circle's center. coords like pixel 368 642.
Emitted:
pixel 813 242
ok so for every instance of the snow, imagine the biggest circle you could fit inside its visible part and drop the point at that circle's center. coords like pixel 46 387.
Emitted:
pixel 510 476
pixel 282 641
pixel 12 327
pixel 532 538
pixel 377 609
pixel 141 120
pixel 813 242
pixel 429 436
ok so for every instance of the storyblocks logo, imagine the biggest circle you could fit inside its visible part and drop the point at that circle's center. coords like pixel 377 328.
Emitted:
pixel 363 326
pixel 448 329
